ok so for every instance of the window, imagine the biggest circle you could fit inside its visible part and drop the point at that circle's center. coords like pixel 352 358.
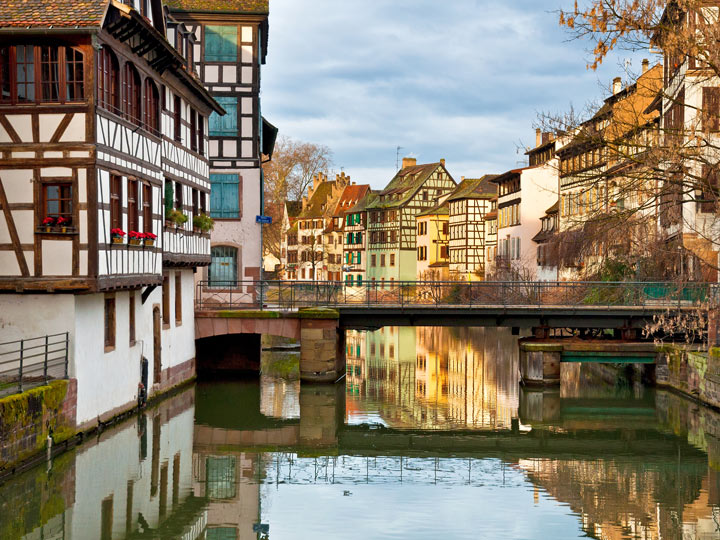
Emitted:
pixel 443 252
pixel 711 108
pixel 166 301
pixel 178 298
pixel 178 205
pixel 151 114
pixel 49 74
pixel 57 201
pixel 74 75
pixel 227 125
pixel 115 201
pixel 373 260
pixel 221 43
pixel 131 99
pixel 108 77
pixel 382 260
pixel 131 318
pixel 195 205
pixel 223 266
pixel 193 130
pixel 147 208
pixel 132 206
pixel 201 135
pixel 5 85
pixel 109 323
pixel 225 196
pixel 392 259
pixel 177 118
pixel 25 72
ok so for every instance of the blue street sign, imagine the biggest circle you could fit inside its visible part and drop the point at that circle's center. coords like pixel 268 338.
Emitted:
pixel 263 220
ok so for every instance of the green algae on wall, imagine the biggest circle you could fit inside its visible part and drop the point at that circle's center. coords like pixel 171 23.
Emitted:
pixel 28 418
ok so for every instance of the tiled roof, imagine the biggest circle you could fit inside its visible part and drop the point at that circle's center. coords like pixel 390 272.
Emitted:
pixel 222 6
pixel 439 210
pixel 365 202
pixel 475 188
pixel 404 185
pixel 351 195
pixel 317 205
pixel 293 208
pixel 57 13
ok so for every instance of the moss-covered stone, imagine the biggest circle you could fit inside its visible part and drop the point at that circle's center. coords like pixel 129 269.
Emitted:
pixel 318 313
pixel 231 314
pixel 541 347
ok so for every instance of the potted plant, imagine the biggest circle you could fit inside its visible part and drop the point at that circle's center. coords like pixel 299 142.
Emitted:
pixel 149 239
pixel 62 223
pixel 177 217
pixel 117 236
pixel 203 222
pixel 135 238
pixel 48 222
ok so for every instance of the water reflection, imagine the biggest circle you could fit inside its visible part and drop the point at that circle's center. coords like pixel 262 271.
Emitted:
pixel 432 436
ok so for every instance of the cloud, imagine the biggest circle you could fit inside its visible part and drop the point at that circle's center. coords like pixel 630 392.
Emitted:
pixel 462 80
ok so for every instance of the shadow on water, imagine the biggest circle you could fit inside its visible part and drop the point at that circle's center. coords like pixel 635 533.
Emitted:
pixel 431 426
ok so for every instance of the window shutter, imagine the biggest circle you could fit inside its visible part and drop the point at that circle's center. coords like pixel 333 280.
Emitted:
pixel 221 43
pixel 169 197
pixel 225 196
pixel 359 257
pixel 228 124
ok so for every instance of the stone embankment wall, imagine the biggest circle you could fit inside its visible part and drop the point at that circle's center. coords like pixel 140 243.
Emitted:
pixel 694 373
pixel 27 419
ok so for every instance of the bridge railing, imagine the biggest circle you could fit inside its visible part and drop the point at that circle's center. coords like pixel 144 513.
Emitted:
pixel 290 295
pixel 27 363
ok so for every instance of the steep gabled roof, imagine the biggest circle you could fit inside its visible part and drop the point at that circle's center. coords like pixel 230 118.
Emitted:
pixel 404 186
pixel 438 210
pixel 317 205
pixel 250 7
pixel 363 204
pixel 55 13
pixel 351 195
pixel 475 188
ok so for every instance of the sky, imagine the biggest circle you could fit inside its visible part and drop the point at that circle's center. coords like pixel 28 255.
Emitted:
pixel 462 80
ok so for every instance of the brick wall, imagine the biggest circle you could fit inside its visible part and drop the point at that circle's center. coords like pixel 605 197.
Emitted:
pixel 27 419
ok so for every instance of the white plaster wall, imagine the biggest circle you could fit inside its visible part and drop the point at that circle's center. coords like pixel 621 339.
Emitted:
pixel 246 233
pixel 104 470
pixel 178 342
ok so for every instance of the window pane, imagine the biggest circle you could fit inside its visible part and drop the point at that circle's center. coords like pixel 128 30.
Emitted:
pixel 223 266
pixel 26 72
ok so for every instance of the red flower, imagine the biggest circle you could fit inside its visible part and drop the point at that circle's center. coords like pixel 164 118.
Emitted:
pixel 62 220
pixel 150 235
pixel 117 232
pixel 48 221
pixel 136 235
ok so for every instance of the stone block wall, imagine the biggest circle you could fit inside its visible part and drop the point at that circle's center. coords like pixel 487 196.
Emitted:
pixel 27 419
pixel 693 373
pixel 322 350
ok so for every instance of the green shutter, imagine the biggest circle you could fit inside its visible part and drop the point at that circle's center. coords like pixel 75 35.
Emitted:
pixel 359 257
pixel 221 43
pixel 224 196
pixel 227 125
pixel 169 197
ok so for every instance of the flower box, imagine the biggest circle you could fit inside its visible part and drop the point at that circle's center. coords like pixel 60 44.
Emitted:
pixel 134 241
pixel 117 240
pixel 149 242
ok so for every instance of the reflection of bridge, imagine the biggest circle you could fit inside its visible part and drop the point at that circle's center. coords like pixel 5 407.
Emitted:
pixel 318 313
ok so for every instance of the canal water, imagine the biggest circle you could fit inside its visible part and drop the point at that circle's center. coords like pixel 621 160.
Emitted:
pixel 431 436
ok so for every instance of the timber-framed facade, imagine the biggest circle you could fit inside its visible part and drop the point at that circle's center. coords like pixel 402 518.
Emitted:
pixel 103 140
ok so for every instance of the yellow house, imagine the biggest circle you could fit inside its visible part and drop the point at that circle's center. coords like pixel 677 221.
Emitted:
pixel 432 228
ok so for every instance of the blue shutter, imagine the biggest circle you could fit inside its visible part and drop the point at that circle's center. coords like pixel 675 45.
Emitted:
pixel 224 196
pixel 221 43
pixel 225 125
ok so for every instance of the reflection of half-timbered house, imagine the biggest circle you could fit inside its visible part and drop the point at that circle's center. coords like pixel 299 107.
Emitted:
pixel 102 135
pixel 229 45
pixel 469 231
pixel 391 219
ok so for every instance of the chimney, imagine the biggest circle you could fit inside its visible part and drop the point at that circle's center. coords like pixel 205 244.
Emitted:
pixel 409 162
pixel 304 202
pixel 442 162
pixel 616 85
pixel 645 65
pixel 538 137
pixel 462 179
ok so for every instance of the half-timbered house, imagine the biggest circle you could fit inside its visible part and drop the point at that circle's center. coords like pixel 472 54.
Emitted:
pixel 469 231
pixel 228 40
pixel 547 266
pixel 102 140
pixel 355 245
pixel 432 238
pixel 334 236
pixel 392 233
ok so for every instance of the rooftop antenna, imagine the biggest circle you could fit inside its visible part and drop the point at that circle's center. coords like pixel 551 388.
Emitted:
pixel 397 157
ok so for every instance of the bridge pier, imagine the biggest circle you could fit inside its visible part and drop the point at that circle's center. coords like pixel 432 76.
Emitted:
pixel 540 364
pixel 322 348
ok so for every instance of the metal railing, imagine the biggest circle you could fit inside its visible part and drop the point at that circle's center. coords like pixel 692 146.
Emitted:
pixel 27 363
pixel 290 295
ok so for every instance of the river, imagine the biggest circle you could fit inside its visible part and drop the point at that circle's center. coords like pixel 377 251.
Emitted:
pixel 431 436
